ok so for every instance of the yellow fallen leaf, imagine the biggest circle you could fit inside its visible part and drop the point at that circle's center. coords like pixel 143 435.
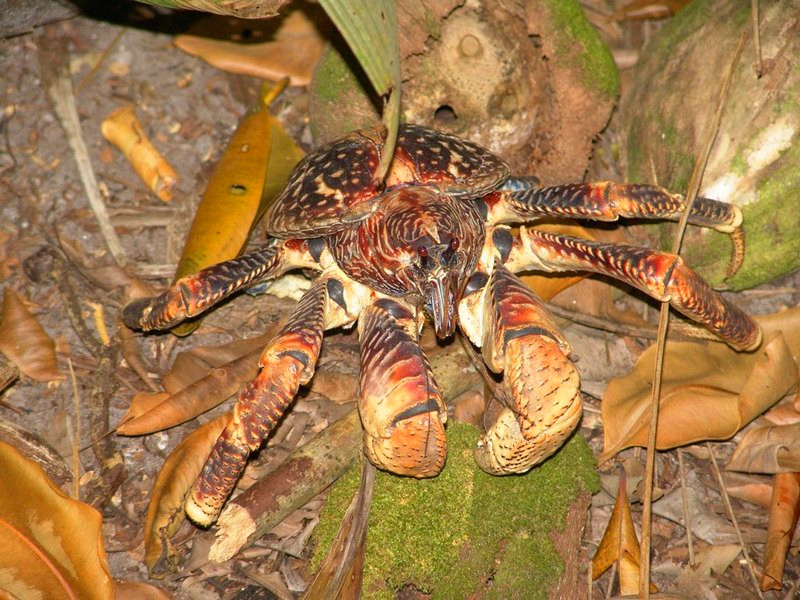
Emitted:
pixel 245 181
pixel 123 129
pixel 709 391
pixel 52 545
pixel 25 342
pixel 293 51
pixel 165 510
pixel 620 544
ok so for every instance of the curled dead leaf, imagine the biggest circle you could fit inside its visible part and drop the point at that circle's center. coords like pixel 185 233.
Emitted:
pixel 620 544
pixel 165 510
pixel 709 391
pixel 768 449
pixel 55 542
pixel 25 342
pixel 123 129
pixel 783 514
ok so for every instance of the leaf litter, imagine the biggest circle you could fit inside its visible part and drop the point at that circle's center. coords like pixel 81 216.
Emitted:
pixel 132 500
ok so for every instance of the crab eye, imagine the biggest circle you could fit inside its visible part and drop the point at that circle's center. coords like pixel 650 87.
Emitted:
pixel 454 244
pixel 422 251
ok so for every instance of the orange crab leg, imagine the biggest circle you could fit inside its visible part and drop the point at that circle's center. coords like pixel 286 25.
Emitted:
pixel 401 407
pixel 287 363
pixel 541 387
pixel 193 294
pixel 522 199
pixel 662 275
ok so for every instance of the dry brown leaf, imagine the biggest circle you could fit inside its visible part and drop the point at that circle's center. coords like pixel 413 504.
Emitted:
pixel 25 342
pixel 165 510
pixel 142 403
pixel 639 10
pixel 123 129
pixel 192 365
pixel 768 449
pixel 129 590
pixel 750 488
pixel 620 544
pixel 709 391
pixel 213 389
pixel 710 563
pixel 200 379
pixel 783 513
pixel 55 541
pixel 293 52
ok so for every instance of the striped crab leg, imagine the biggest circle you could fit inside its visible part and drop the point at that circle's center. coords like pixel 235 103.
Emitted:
pixel 287 363
pixel 194 294
pixel 541 387
pixel 661 275
pixel 522 199
pixel 401 406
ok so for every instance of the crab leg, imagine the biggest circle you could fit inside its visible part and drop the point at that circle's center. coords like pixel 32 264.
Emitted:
pixel 400 404
pixel 521 199
pixel 287 363
pixel 541 387
pixel 662 275
pixel 193 294
pixel 607 201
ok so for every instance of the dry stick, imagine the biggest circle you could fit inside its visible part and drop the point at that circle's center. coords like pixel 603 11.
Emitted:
pixel 756 37
pixel 644 331
pixel 663 323
pixel 77 437
pixel 685 501
pixel 727 499
pixel 54 65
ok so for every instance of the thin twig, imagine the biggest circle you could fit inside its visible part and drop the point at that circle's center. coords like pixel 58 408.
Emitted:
pixel 759 64
pixel 727 499
pixel 685 501
pixel 663 323
pixel 54 66
pixel 76 441
pixel 647 332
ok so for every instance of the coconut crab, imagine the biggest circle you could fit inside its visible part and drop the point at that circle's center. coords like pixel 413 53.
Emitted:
pixel 433 240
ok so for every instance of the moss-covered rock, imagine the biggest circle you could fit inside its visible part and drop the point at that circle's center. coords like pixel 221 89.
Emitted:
pixel 450 535
pixel 754 162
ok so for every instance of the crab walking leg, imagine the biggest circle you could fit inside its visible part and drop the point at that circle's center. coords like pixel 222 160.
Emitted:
pixel 401 406
pixel 662 275
pixel 193 294
pixel 608 201
pixel 287 363
pixel 540 384
pixel 521 199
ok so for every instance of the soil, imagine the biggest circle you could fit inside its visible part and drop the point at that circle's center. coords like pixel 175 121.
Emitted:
pixel 189 110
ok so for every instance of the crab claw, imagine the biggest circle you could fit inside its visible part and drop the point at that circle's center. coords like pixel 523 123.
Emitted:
pixel 441 300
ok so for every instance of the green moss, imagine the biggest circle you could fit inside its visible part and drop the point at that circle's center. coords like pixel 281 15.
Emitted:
pixel 449 534
pixel 595 60
pixel 685 22
pixel 339 82
pixel 771 224
pixel 738 163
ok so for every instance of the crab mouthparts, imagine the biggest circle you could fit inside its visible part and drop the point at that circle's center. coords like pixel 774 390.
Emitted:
pixel 440 301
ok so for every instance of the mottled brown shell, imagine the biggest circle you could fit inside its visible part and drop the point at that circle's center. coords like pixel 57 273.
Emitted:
pixel 334 187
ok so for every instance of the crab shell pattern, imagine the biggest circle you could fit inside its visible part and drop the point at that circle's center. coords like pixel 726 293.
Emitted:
pixel 434 241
